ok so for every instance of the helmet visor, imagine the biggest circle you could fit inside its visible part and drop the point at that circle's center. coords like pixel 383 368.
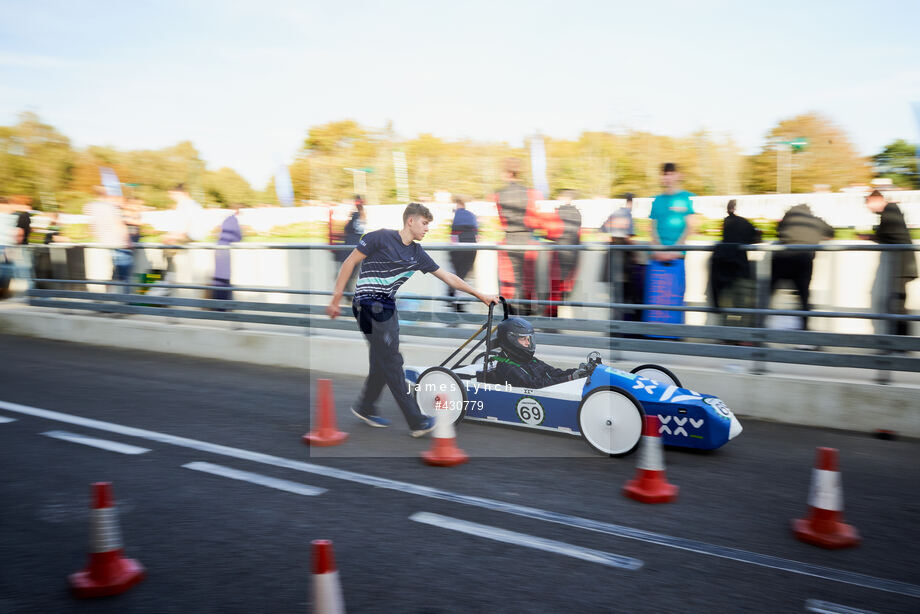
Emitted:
pixel 523 340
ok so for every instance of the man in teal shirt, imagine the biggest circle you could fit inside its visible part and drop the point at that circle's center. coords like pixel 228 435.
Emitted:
pixel 672 222
pixel 671 213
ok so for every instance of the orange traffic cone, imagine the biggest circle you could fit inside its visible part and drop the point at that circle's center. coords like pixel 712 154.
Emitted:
pixel 444 451
pixel 325 432
pixel 825 527
pixel 107 573
pixel 650 484
pixel 327 590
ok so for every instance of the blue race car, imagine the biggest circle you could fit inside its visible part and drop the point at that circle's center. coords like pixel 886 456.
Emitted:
pixel 607 407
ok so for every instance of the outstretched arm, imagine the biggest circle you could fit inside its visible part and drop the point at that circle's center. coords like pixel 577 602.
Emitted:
pixel 458 284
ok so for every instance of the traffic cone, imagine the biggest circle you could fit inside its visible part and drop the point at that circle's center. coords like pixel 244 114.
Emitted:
pixel 444 451
pixel 650 484
pixel 327 590
pixel 825 527
pixel 325 433
pixel 107 573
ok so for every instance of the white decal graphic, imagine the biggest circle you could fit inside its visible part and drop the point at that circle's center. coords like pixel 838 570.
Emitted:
pixel 696 423
pixel 668 392
pixel 680 421
pixel 719 406
pixel 664 429
pixel 664 419
pixel 646 384
pixel 680 430
pixel 686 397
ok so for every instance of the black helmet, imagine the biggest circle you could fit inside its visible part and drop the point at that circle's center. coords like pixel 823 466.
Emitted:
pixel 515 338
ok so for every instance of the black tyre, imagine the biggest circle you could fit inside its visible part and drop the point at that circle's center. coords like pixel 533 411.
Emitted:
pixel 658 373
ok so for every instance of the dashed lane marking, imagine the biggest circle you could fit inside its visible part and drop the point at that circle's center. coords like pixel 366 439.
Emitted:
pixel 256 478
pixel 522 539
pixel 689 545
pixel 4 419
pixel 826 607
pixel 105 444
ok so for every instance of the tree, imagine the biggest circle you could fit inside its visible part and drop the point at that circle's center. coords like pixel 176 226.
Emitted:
pixel 226 187
pixel 828 159
pixel 35 159
pixel 898 162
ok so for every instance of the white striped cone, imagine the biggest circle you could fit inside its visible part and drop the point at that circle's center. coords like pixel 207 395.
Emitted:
pixel 444 451
pixel 650 484
pixel 825 527
pixel 108 572
pixel 327 589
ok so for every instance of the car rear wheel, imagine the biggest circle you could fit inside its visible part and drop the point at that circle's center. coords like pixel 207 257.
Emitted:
pixel 657 373
pixel 610 420
pixel 438 389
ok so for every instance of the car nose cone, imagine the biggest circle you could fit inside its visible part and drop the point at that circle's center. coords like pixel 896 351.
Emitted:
pixel 734 428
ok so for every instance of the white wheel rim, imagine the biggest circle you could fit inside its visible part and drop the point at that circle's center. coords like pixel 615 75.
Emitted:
pixel 610 422
pixel 656 375
pixel 439 388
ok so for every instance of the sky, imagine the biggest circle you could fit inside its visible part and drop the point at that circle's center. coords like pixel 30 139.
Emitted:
pixel 245 80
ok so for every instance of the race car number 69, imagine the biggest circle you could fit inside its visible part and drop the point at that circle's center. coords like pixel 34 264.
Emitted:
pixel 530 411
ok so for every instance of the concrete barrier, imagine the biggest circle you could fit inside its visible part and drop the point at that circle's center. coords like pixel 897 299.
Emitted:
pixel 792 399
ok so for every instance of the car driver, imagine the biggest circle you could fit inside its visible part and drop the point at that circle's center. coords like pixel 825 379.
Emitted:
pixel 515 364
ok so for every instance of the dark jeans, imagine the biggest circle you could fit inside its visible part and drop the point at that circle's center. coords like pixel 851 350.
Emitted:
pixel 797 268
pixel 380 325
pixel 517 266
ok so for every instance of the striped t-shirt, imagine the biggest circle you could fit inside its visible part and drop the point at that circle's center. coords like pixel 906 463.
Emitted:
pixel 388 265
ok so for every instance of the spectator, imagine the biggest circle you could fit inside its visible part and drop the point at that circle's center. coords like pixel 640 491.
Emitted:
pixel 731 275
pixel 799 226
pixel 132 213
pixel 230 232
pixel 564 264
pixel 672 219
pixel 895 269
pixel 620 231
pixel 354 230
pixel 23 225
pixel 188 221
pixel 464 229
pixel 188 225
pixel 109 229
pixel 515 205
pixel 53 230
pixel 8 237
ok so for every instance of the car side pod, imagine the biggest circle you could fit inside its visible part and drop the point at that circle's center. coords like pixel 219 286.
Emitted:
pixel 824 526
pixel 325 432
pixel 444 451
pixel 108 572
pixel 650 484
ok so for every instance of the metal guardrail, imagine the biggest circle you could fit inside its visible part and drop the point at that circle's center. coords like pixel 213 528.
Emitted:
pixel 610 334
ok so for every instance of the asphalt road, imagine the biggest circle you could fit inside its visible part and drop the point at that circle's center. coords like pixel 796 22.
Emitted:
pixel 215 544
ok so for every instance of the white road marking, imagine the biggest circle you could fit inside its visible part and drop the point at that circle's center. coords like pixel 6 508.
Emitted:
pixel 826 607
pixel 689 545
pixel 256 478
pixel 105 444
pixel 4 419
pixel 521 539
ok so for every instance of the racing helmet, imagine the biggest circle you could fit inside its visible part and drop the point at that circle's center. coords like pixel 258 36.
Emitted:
pixel 515 338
